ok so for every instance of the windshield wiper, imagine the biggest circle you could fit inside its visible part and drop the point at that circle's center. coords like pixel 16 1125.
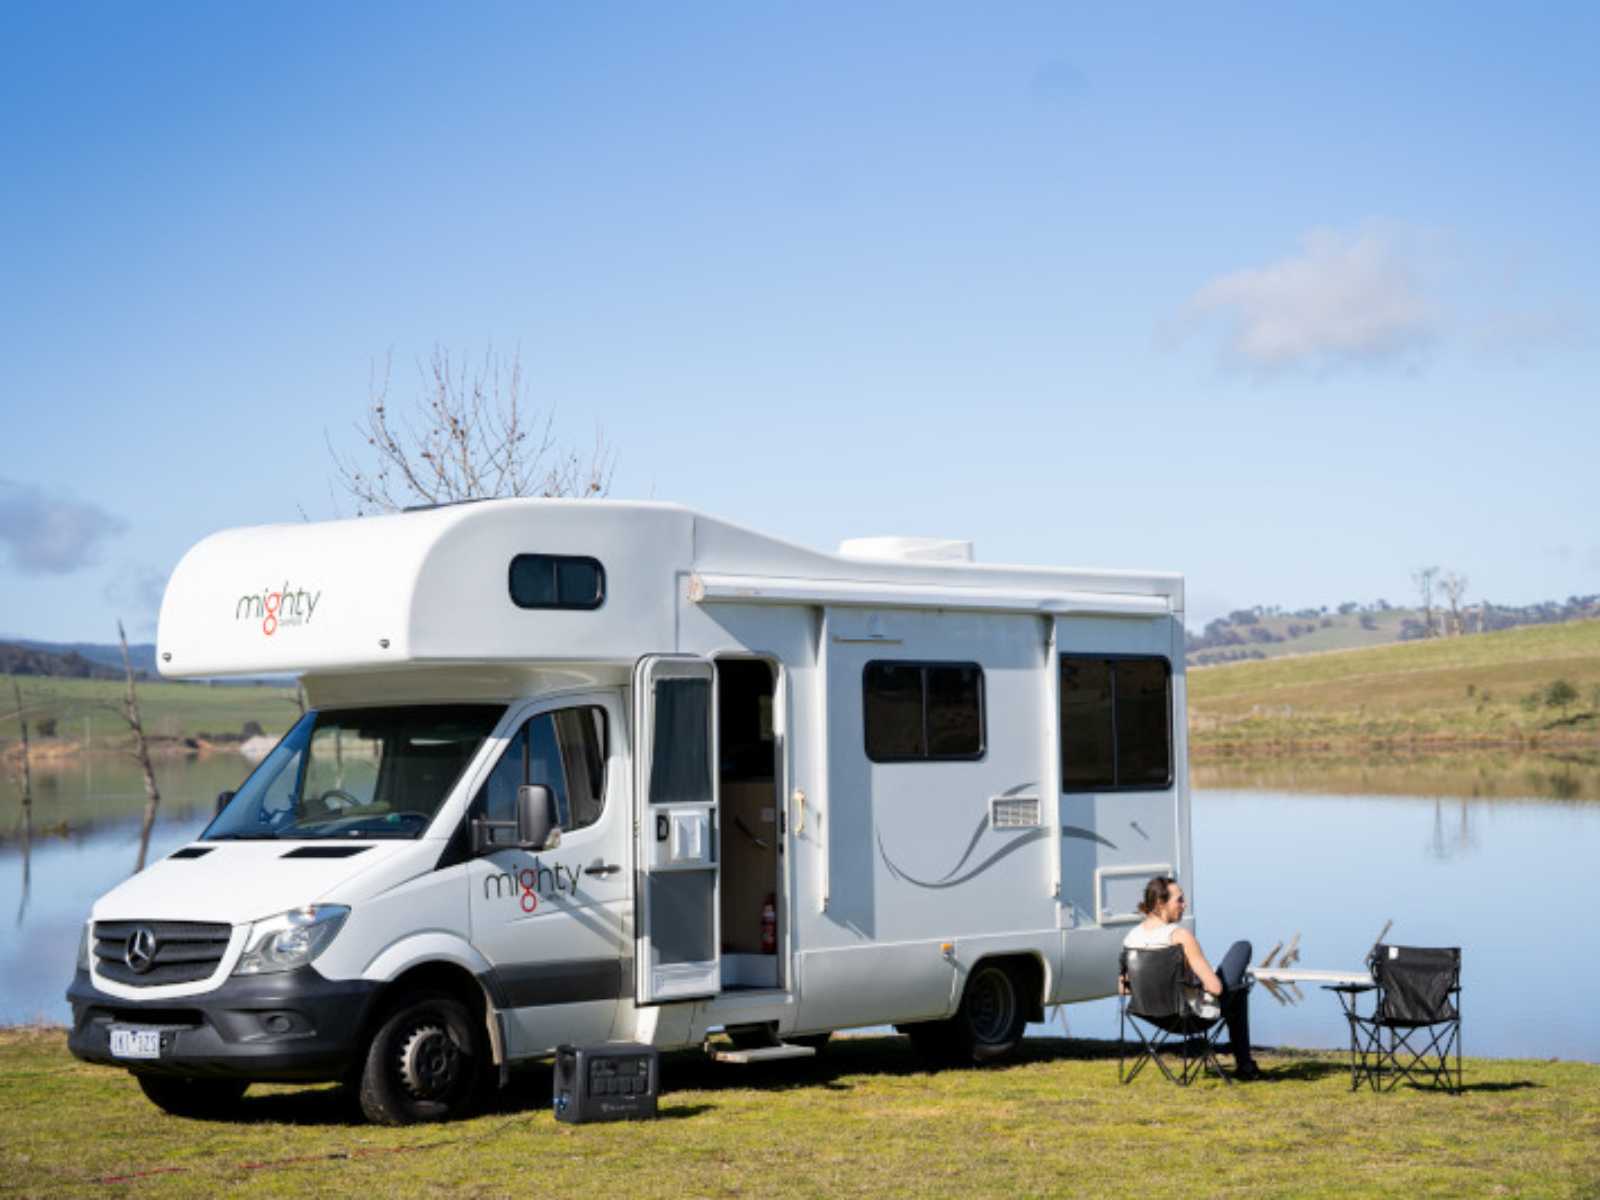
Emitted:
pixel 261 836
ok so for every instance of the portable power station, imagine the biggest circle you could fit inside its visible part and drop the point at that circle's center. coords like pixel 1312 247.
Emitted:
pixel 614 1081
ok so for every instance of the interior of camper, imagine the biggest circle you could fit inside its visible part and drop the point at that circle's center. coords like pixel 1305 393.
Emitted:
pixel 748 781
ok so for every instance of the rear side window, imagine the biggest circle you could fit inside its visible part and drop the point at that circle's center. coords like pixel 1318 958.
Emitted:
pixel 557 581
pixel 923 712
pixel 1116 723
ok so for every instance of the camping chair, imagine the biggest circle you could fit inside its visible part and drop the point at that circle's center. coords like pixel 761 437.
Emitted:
pixel 1154 999
pixel 1417 996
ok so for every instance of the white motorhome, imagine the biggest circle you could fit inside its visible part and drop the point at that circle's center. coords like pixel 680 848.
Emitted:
pixel 589 771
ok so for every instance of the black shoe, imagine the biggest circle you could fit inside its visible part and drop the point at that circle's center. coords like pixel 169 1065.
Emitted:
pixel 1246 1071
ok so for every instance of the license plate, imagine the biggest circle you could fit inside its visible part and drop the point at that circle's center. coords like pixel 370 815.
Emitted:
pixel 136 1043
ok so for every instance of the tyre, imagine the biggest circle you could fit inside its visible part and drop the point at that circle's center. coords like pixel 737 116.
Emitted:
pixel 187 1097
pixel 992 1016
pixel 425 1062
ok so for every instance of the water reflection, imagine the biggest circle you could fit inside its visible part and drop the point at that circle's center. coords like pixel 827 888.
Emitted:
pixel 1473 854
pixel 1481 775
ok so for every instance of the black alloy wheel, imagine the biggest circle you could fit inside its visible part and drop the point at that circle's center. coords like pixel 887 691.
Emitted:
pixel 424 1063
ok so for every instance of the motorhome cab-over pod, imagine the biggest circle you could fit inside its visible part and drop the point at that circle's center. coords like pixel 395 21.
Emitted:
pixel 590 771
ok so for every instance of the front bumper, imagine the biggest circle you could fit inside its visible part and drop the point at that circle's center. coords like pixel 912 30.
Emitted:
pixel 293 1027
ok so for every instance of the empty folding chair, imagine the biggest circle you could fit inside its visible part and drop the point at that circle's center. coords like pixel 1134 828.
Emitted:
pixel 1414 1028
pixel 1157 1004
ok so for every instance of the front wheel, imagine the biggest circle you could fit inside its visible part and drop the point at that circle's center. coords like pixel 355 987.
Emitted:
pixel 187 1097
pixel 424 1063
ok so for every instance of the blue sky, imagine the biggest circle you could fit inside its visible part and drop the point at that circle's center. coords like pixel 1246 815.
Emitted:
pixel 1290 299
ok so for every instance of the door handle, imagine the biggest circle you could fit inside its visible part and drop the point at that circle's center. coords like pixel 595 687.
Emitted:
pixel 601 868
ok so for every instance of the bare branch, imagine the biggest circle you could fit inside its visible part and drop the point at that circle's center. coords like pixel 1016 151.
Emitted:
pixel 141 751
pixel 469 435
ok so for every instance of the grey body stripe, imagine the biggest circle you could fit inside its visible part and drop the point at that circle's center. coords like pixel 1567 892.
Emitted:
pixel 950 879
pixel 534 985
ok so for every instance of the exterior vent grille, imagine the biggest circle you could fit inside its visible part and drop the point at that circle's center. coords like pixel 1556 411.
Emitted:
pixel 325 852
pixel 154 953
pixel 1014 812
pixel 192 852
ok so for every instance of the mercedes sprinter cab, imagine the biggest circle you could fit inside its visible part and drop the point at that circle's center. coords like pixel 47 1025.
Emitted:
pixel 577 772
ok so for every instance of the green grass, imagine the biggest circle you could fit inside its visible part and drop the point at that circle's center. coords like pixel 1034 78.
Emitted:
pixel 1410 695
pixel 866 1119
pixel 91 709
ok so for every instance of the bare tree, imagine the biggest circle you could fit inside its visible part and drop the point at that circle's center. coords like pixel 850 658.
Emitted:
pixel 25 781
pixel 141 751
pixel 1423 578
pixel 1454 587
pixel 468 436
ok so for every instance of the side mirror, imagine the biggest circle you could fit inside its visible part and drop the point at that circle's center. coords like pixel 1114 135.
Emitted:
pixel 537 827
pixel 222 801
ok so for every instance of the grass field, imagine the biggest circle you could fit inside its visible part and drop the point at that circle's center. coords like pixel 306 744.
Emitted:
pixel 1483 688
pixel 866 1119
pixel 91 709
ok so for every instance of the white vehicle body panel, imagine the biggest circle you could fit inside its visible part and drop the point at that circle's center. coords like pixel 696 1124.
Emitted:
pixel 891 879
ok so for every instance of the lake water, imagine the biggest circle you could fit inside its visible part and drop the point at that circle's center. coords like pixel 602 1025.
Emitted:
pixel 1499 862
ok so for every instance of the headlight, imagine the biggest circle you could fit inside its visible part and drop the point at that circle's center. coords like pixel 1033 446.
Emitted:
pixel 83 948
pixel 290 940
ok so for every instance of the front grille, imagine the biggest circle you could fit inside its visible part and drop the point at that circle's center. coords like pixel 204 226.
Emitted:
pixel 185 951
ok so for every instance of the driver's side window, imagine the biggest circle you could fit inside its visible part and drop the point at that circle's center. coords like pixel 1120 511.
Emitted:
pixel 565 751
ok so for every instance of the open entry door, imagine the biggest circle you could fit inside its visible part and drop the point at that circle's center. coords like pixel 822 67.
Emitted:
pixel 678 955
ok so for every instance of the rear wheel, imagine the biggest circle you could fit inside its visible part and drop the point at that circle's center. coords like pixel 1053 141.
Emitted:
pixel 424 1063
pixel 991 1019
pixel 188 1097
pixel 987 1026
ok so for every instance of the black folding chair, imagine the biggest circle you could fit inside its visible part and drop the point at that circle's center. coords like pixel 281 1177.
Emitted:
pixel 1415 1024
pixel 1154 1003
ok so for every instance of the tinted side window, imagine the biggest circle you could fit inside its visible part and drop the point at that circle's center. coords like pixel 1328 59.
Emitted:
pixel 1144 729
pixel 919 712
pixel 1116 723
pixel 892 694
pixel 1088 748
pixel 565 751
pixel 557 581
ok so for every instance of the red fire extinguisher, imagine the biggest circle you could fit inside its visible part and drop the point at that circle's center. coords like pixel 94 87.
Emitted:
pixel 769 925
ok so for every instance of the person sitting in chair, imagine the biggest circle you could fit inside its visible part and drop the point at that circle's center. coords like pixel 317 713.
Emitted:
pixel 1163 907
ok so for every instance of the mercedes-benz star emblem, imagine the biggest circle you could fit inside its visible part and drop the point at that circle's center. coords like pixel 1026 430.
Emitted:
pixel 140 954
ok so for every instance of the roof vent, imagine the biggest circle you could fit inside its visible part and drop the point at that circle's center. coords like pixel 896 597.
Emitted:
pixel 908 549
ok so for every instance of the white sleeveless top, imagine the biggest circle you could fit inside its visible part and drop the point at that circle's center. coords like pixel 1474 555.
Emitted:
pixel 1140 938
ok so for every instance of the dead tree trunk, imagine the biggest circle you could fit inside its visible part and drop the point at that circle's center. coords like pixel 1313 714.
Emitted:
pixel 27 803
pixel 141 751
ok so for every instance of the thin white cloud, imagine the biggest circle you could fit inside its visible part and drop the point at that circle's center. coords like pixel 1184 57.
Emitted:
pixel 135 594
pixel 51 535
pixel 1343 299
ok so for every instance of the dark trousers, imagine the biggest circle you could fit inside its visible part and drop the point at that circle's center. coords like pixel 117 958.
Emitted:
pixel 1235 999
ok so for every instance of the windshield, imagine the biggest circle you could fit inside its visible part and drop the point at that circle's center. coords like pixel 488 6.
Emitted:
pixel 360 772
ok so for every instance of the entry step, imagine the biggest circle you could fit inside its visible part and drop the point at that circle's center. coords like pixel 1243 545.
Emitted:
pixel 763 1054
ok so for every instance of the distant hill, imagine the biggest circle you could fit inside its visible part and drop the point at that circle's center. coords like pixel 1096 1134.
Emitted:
pixel 73 661
pixel 1271 632
pixel 1526 688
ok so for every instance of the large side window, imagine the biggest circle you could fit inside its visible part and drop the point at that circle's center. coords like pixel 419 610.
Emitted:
pixel 922 712
pixel 564 750
pixel 1116 723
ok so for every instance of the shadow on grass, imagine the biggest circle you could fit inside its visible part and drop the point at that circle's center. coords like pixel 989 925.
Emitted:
pixel 843 1059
